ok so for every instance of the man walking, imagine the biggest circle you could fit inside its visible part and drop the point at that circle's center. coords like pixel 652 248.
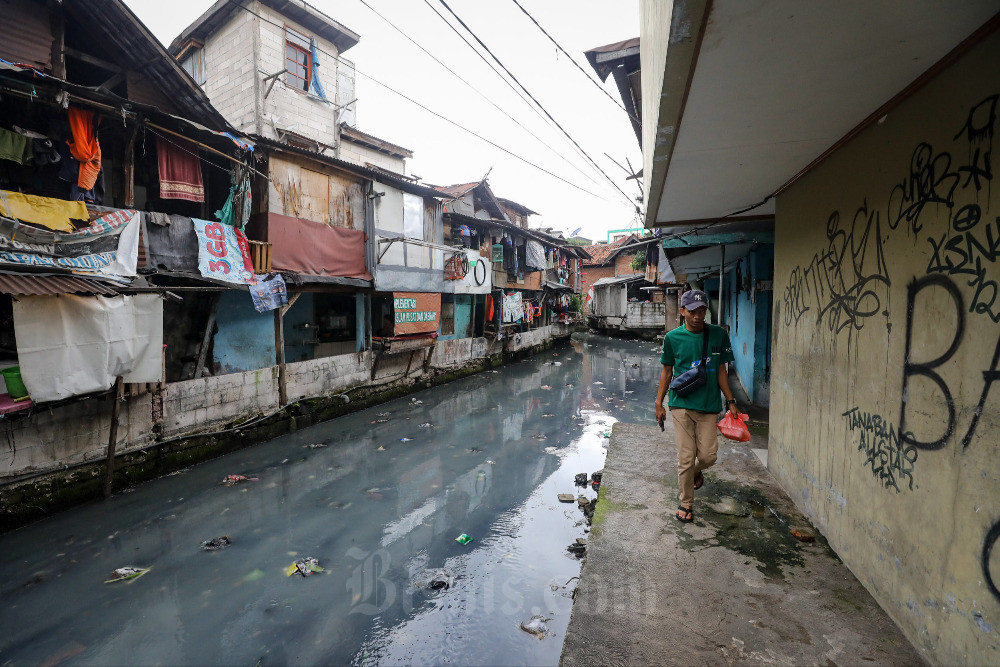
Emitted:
pixel 695 414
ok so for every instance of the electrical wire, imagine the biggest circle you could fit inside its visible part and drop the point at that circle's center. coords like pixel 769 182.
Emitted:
pixel 540 105
pixel 479 92
pixel 572 60
pixel 236 3
pixel 496 71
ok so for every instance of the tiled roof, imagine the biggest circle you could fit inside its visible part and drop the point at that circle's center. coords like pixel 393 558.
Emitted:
pixel 602 253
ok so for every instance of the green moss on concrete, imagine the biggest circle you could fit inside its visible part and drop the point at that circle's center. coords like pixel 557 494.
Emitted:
pixel 762 534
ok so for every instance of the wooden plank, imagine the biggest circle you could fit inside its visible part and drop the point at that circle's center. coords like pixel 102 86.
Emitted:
pixel 130 168
pixel 206 338
pixel 119 392
pixel 279 355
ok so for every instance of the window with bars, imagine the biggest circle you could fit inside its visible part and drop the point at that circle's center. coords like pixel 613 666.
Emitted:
pixel 298 59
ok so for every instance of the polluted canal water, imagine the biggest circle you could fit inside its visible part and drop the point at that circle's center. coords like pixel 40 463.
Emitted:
pixel 378 498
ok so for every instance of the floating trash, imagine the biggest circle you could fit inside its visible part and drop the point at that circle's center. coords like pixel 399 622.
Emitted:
pixel 304 566
pixel 547 415
pixel 598 383
pixel 383 414
pixel 491 462
pixel 536 626
pixel 380 448
pixel 216 543
pixel 435 580
pixel 316 445
pixel 127 572
pixel 545 386
pixel 406 439
pixel 414 401
pixel 541 436
pixel 569 385
pixel 463 539
pixel 425 425
pixel 380 421
pixel 233 480
pixel 557 363
pixel 473 450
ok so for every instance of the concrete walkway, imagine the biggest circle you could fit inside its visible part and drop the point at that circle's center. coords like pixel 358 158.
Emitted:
pixel 735 587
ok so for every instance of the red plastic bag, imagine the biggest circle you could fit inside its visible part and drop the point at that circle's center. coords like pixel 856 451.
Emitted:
pixel 734 428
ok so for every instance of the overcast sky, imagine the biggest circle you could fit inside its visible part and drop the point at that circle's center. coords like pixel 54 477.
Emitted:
pixel 444 154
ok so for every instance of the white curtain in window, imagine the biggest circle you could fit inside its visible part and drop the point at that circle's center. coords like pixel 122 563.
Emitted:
pixel 413 216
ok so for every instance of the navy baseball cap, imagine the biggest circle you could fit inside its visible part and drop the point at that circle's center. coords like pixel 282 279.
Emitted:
pixel 694 299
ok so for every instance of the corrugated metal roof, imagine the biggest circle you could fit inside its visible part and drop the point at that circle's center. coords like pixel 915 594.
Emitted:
pixel 619 279
pixel 28 285
pixel 357 136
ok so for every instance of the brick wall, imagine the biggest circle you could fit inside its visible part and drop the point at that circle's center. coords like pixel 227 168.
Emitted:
pixel 591 275
pixel 622 264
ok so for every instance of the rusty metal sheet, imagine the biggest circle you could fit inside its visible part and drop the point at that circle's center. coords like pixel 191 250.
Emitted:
pixel 25 33
pixel 416 312
pixel 28 285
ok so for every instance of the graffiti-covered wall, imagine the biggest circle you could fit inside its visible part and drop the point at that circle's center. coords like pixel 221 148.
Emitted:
pixel 885 423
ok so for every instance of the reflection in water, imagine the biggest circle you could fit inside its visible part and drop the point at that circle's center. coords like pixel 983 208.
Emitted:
pixel 380 514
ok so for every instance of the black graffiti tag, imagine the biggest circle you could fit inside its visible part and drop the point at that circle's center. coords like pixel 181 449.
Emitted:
pixel 843 279
pixel 879 441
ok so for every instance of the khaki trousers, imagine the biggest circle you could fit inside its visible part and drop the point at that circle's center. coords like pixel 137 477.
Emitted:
pixel 697 447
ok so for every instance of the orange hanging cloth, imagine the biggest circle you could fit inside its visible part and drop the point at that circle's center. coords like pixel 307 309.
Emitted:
pixel 489 307
pixel 84 146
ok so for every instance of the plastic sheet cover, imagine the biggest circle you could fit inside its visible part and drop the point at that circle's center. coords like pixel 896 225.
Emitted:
pixel 534 255
pixel 70 345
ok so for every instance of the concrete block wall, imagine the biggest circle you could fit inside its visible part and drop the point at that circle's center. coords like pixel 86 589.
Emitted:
pixel 327 375
pixel 458 351
pixel 644 315
pixel 293 109
pixel 204 403
pixel 70 434
pixel 526 339
pixel 229 65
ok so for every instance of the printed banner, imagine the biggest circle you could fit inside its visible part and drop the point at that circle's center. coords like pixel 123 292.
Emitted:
pixel 223 253
pixel 108 248
pixel 269 293
pixel 416 312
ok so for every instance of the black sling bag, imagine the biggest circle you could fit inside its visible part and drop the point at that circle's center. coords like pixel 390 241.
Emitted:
pixel 689 381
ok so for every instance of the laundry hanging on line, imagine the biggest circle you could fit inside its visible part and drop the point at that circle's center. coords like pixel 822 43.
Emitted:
pixel 180 170
pixel 85 147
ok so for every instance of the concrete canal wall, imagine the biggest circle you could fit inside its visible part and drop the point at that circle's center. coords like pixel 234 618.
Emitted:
pixel 56 457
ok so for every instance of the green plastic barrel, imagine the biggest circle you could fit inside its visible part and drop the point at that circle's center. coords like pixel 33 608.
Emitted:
pixel 15 386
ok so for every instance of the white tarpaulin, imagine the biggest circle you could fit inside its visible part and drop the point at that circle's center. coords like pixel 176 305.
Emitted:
pixel 69 345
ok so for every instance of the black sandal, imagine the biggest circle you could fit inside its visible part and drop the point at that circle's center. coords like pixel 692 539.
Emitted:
pixel 687 510
pixel 699 480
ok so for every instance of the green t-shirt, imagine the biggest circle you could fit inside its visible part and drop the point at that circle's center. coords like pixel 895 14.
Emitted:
pixel 682 350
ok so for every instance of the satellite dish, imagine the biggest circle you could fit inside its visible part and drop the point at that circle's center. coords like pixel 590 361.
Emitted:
pixel 576 231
